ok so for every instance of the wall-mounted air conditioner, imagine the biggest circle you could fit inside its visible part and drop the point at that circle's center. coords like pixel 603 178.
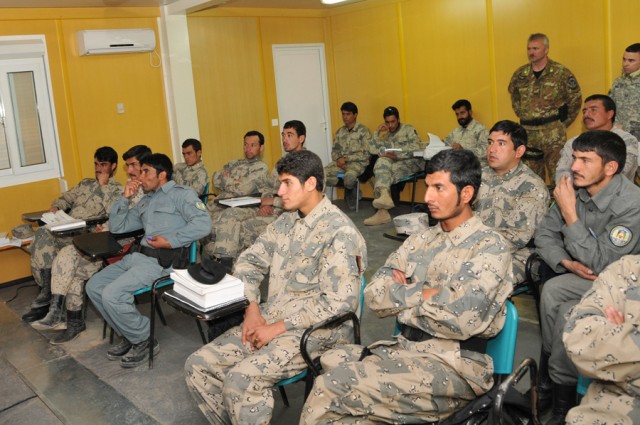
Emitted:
pixel 102 42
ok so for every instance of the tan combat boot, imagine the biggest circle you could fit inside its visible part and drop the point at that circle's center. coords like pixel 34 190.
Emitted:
pixel 380 217
pixel 384 202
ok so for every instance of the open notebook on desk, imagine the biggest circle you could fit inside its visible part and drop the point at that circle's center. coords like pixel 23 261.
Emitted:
pixel 242 201
pixel 61 221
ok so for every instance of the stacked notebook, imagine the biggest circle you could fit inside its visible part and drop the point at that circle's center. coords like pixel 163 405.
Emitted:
pixel 60 221
pixel 207 297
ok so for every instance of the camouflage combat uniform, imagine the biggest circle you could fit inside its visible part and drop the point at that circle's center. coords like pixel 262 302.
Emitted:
pixel 388 171
pixel 630 164
pixel 607 229
pixel 71 269
pixel 353 145
pixel 541 99
pixel 245 177
pixel 313 275
pixel 195 176
pixel 625 91
pixel 513 204
pixel 473 137
pixel 405 381
pixel 86 200
pixel 607 352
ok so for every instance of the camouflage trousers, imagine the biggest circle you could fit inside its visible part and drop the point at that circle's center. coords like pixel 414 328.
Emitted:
pixel 549 138
pixel 237 229
pixel 69 273
pixel 519 262
pixel 606 403
pixel 233 384
pixel 392 385
pixel 388 171
pixel 44 249
pixel 351 173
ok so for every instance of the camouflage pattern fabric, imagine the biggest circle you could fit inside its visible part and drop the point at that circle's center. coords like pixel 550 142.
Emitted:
pixel 71 269
pixel 86 200
pixel 409 382
pixel 194 176
pixel 630 164
pixel 539 98
pixel 474 138
pixel 233 384
pixel 607 352
pixel 388 171
pixel 237 178
pixel 353 145
pixel 513 204
pixel 625 91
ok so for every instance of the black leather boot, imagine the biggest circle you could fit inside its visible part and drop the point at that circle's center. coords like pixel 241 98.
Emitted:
pixel 75 325
pixel 35 314
pixel 545 384
pixel 564 398
pixel 54 319
pixel 44 297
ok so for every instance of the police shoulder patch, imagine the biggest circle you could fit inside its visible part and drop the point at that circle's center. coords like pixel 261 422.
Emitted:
pixel 572 83
pixel 201 206
pixel 620 236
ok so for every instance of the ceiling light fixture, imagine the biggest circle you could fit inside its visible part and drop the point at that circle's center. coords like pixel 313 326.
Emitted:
pixel 332 1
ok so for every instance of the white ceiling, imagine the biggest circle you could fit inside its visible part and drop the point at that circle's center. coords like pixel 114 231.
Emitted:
pixel 286 4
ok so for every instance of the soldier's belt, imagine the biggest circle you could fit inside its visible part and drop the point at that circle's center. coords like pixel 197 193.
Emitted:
pixel 479 345
pixel 540 121
pixel 178 257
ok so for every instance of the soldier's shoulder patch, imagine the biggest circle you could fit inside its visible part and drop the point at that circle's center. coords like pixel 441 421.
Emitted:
pixel 620 236
pixel 572 83
pixel 201 206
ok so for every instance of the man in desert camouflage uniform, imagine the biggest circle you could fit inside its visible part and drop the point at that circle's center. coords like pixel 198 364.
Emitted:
pixel 470 134
pixel 512 199
pixel 625 91
pixel 241 177
pixel 350 153
pixel 587 229
pixel 294 134
pixel 191 172
pixel 546 97
pixel 599 113
pixel 91 198
pixel 392 166
pixel 601 338
pixel 448 287
pixel 71 270
pixel 232 378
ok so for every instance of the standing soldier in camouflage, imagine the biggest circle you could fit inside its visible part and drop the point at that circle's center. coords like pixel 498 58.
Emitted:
pixel 71 270
pixel 587 229
pixel 241 177
pixel 350 153
pixel 625 91
pixel 601 338
pixel 394 143
pixel 546 97
pixel 470 134
pixel 91 198
pixel 233 377
pixel 191 172
pixel 599 113
pixel 448 287
pixel 512 199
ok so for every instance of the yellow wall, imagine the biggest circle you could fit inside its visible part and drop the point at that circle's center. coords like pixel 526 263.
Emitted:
pixel 86 90
pixel 419 55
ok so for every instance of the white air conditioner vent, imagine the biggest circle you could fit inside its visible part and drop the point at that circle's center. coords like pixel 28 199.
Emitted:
pixel 102 42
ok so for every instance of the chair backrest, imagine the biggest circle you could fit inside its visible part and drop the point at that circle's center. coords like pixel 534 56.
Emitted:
pixel 363 284
pixel 583 385
pixel 502 347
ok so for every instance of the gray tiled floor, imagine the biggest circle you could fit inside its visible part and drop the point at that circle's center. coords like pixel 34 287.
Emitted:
pixel 76 384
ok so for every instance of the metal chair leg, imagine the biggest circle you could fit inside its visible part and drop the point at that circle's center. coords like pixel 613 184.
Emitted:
pixel 283 393
pixel 204 339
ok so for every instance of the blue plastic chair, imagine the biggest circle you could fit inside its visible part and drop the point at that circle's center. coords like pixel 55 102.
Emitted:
pixel 357 189
pixel 583 385
pixel 313 368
